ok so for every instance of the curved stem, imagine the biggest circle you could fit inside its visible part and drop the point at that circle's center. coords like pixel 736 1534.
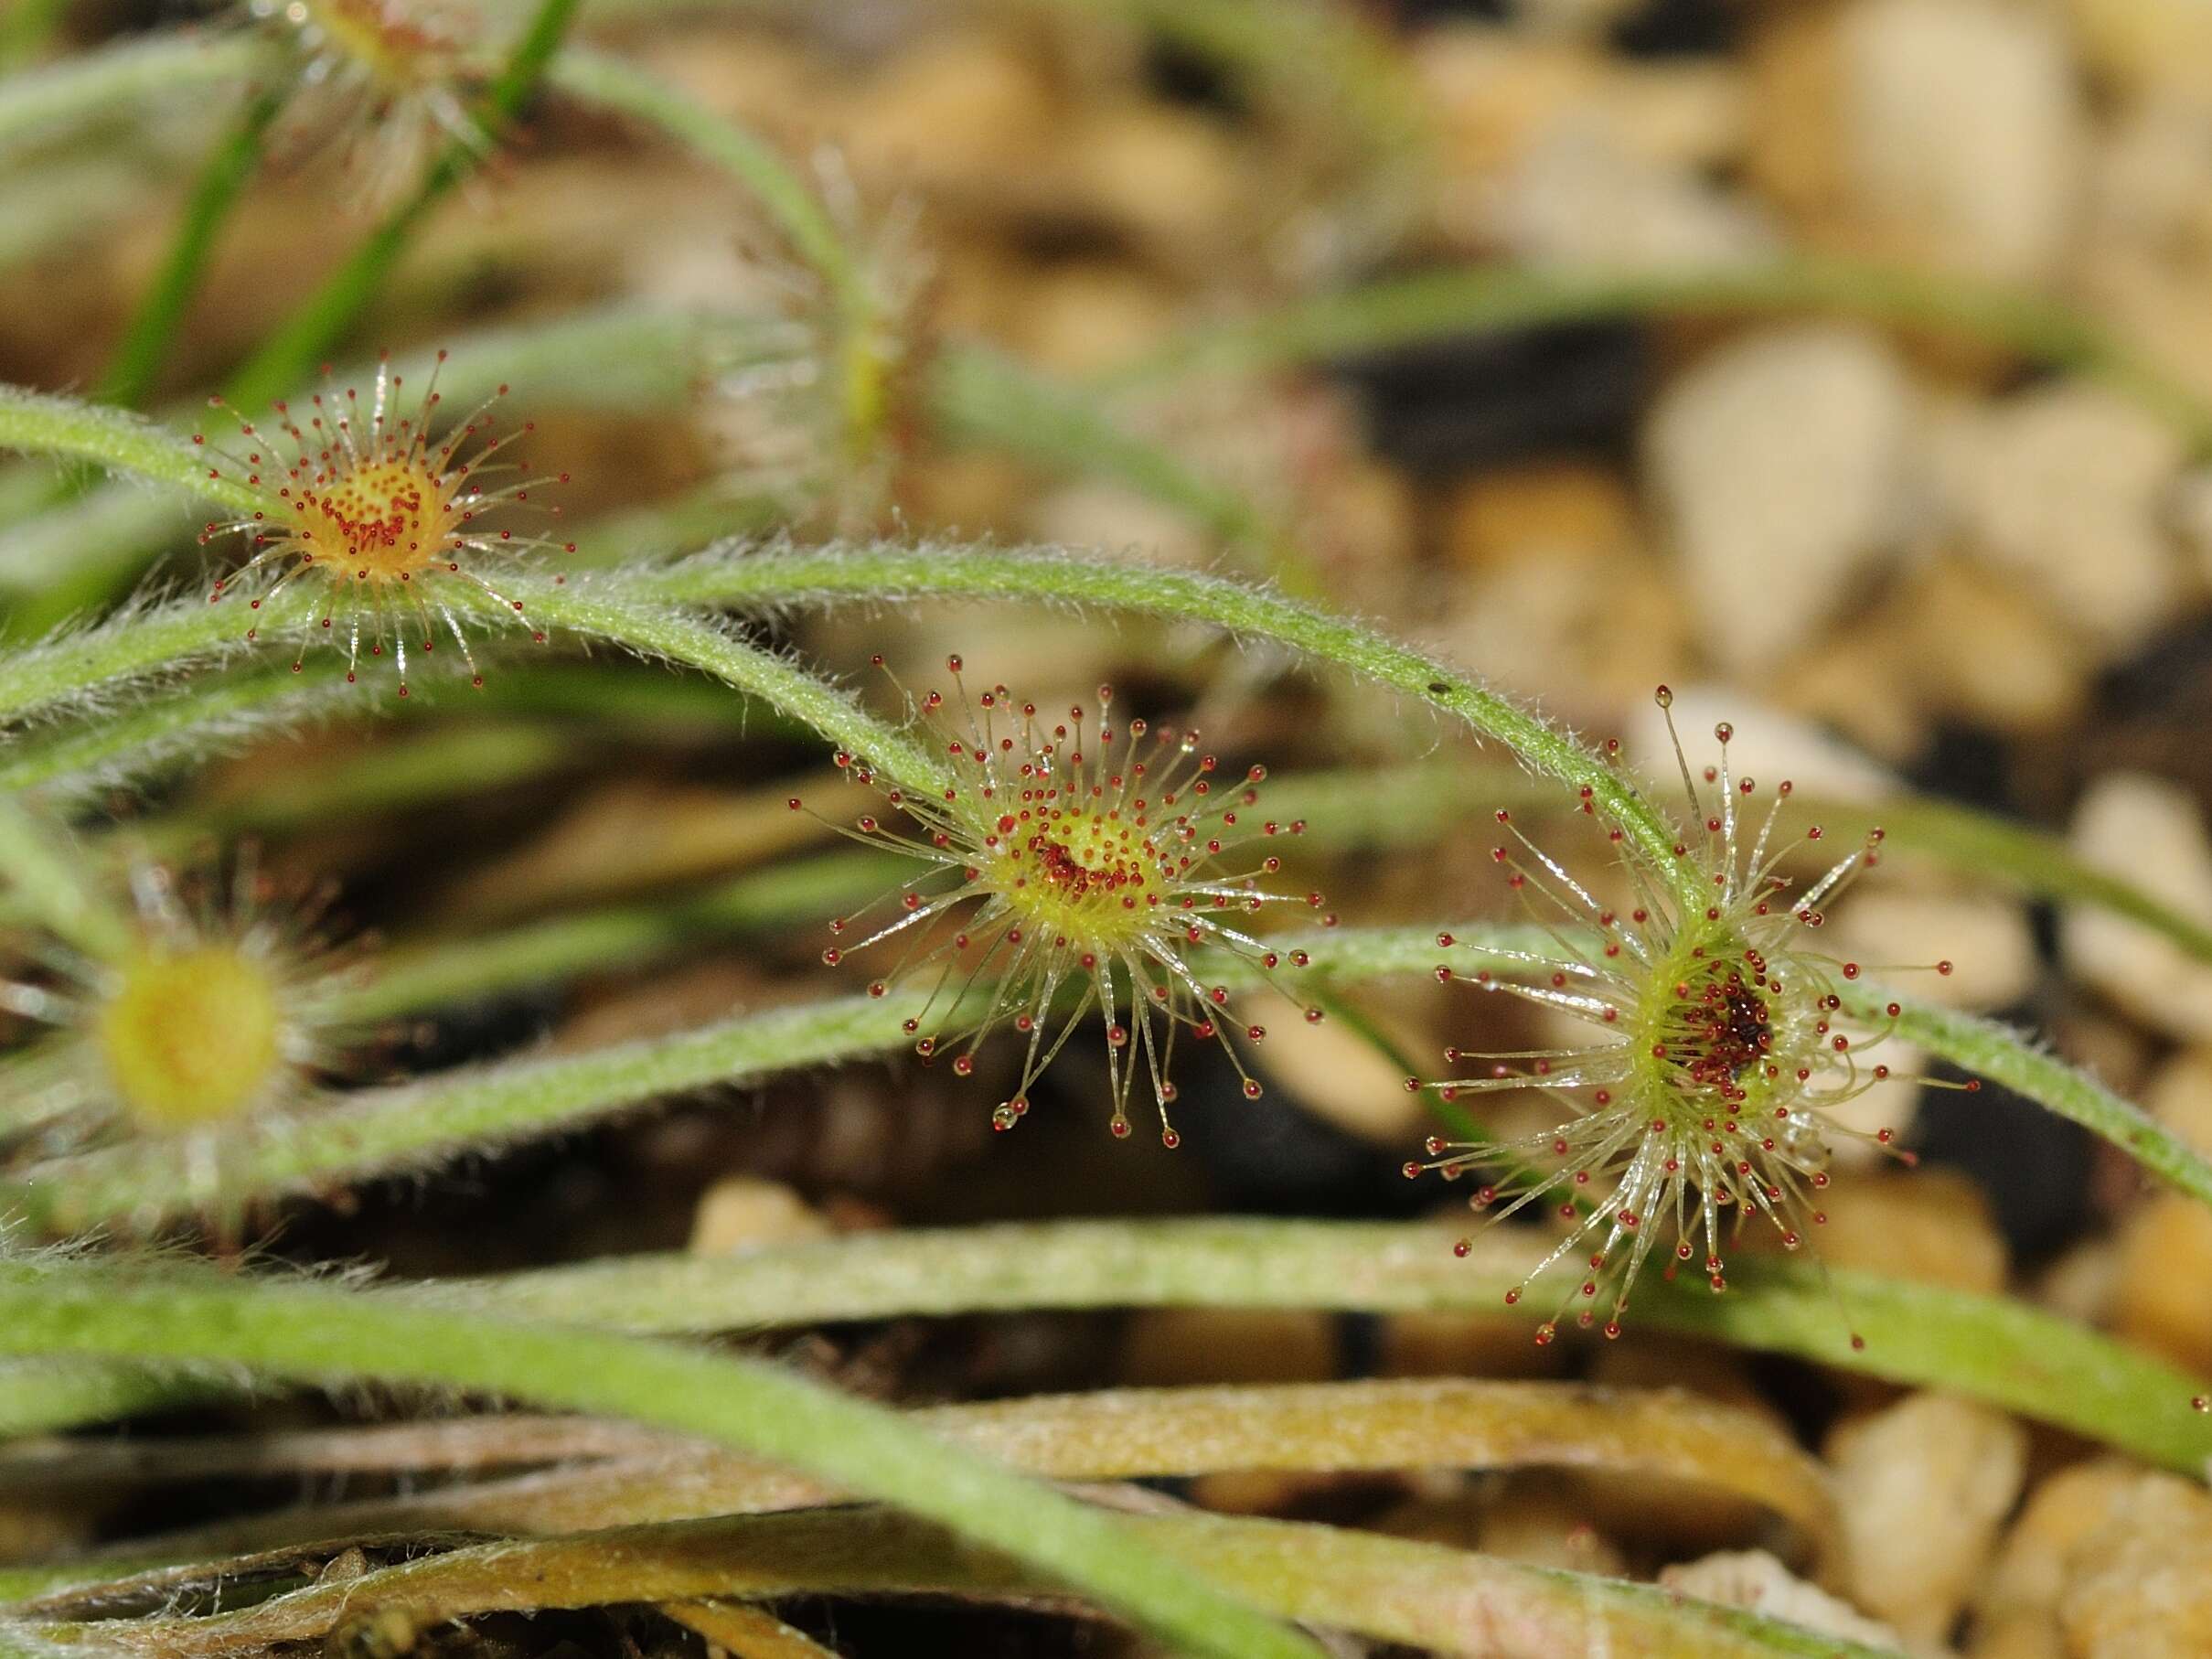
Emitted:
pixel 412 980
pixel 34 423
pixel 622 357
pixel 1993 1348
pixel 124 749
pixel 143 1183
pixel 313 1333
pixel 48 1396
pixel 2013 1059
pixel 140 1185
pixel 599 607
pixel 1341 809
pixel 882 573
pixel 174 639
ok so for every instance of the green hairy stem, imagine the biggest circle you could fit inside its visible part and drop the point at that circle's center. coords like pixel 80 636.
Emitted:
pixel 312 1332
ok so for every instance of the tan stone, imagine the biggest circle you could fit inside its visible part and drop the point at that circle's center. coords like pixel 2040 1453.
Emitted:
pixel 2081 1283
pixel 1922 1488
pixel 2148 46
pixel 1654 1361
pixel 2016 1607
pixel 1794 156
pixel 1336 1074
pixel 1170 176
pixel 1083 317
pixel 1988 653
pixel 745 1213
pixel 1490 92
pixel 2163 1298
pixel 1541 1528
pixel 1363 513
pixel 2017 1636
pixel 2179 1094
pixel 1496 518
pixel 1930 1225
pixel 1960 130
pixel 1790 450
pixel 964 112
pixel 1984 936
pixel 1862 676
pixel 2140 1585
pixel 2058 489
pixel 1497 90
pixel 2149 832
pixel 2064 1508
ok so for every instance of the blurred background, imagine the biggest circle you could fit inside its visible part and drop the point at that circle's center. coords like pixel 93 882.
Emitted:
pixel 1847 365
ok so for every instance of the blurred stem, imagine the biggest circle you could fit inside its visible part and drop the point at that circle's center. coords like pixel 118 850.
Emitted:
pixel 1426 1596
pixel 2032 861
pixel 1411 311
pixel 983 397
pixel 321 1332
pixel 975 394
pixel 292 352
pixel 121 81
pixel 432 975
pixel 418 975
pixel 44 873
pixel 145 344
pixel 206 716
pixel 1312 58
pixel 1992 1348
pixel 640 619
pixel 2013 1059
pixel 27 29
pixel 614 84
pixel 460 759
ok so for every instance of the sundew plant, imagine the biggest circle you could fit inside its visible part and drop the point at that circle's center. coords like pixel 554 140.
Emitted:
pixel 627 625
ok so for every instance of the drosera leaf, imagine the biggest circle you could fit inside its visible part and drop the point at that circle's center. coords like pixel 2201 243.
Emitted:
pixel 1392 1588
pixel 322 1332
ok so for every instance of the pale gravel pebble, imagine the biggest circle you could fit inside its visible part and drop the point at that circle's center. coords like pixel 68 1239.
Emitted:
pixel 1784 463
